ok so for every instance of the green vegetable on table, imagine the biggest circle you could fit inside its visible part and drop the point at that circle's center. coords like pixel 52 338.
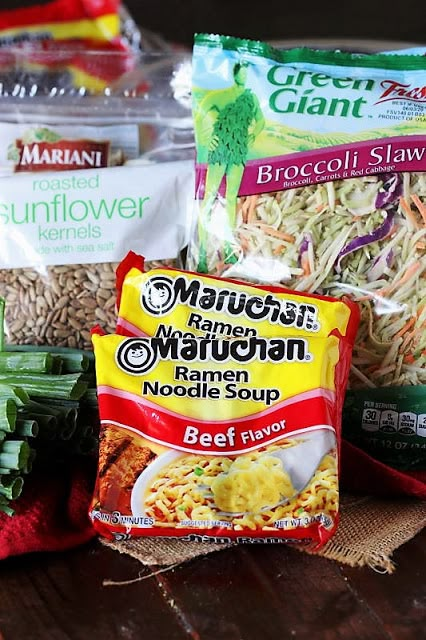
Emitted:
pixel 48 411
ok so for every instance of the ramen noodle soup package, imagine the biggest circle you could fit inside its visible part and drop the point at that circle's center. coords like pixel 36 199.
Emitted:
pixel 223 438
pixel 88 178
pixel 311 172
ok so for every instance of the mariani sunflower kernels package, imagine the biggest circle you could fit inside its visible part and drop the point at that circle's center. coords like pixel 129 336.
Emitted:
pixel 223 437
pixel 311 173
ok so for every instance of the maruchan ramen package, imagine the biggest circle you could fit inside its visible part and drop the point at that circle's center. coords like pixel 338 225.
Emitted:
pixel 311 173
pixel 224 438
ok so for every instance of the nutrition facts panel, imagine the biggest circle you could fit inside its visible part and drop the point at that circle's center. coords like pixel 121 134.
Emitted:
pixel 391 421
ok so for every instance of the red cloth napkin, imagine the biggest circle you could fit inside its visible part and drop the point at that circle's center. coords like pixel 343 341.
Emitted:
pixel 52 513
pixel 360 473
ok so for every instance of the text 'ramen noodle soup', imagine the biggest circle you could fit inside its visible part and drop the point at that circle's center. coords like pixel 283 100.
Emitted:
pixel 225 438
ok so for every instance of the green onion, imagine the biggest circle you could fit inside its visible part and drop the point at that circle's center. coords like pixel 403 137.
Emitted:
pixel 8 413
pixel 41 362
pixel 73 360
pixel 67 431
pixel 198 471
pixel 27 468
pixel 14 454
pixel 27 428
pixel 67 386
pixel 47 425
pixel 4 506
pixel 18 394
pixel 90 398
pixel 11 486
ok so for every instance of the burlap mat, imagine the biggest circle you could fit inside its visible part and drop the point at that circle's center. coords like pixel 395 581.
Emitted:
pixel 370 530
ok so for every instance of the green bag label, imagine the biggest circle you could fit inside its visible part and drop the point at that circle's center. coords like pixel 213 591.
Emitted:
pixel 389 424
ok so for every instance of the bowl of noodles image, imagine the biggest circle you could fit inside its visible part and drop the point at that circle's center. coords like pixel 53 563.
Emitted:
pixel 194 490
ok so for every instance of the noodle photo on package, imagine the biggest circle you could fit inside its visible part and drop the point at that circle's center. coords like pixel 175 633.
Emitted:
pixel 204 491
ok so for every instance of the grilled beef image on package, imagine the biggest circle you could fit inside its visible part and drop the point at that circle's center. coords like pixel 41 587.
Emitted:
pixel 121 461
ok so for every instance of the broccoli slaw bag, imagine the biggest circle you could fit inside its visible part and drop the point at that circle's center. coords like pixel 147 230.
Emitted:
pixel 311 173
pixel 225 438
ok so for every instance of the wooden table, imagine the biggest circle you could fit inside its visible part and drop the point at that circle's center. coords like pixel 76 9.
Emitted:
pixel 243 593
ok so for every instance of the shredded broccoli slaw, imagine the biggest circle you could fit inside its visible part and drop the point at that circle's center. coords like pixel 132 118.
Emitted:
pixel 295 237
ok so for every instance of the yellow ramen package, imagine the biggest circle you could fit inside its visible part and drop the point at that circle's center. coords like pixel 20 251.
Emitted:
pixel 236 438
pixel 167 302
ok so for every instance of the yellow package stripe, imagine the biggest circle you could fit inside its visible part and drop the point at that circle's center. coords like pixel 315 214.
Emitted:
pixel 103 28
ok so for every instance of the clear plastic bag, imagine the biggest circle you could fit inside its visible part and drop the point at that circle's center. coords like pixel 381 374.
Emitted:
pixel 89 177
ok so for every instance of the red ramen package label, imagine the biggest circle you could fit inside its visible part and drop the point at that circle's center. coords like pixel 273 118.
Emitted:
pixel 224 438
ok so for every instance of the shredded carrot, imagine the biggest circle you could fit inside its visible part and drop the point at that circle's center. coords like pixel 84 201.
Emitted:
pixel 405 328
pixel 408 212
pixel 407 340
pixel 306 266
pixel 372 368
pixel 220 267
pixel 275 233
pixel 245 208
pixel 412 269
pixel 320 208
pixel 409 359
pixel 420 206
pixel 251 217
pixel 279 249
